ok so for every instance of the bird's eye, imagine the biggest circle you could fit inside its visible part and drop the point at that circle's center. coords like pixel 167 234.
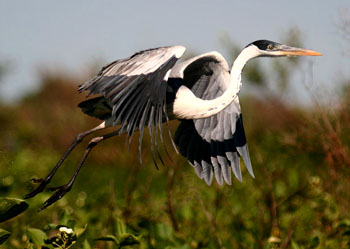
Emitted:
pixel 270 46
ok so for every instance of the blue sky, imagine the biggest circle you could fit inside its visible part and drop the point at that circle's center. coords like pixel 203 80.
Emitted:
pixel 70 35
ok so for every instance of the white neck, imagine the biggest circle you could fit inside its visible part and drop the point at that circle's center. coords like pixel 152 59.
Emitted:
pixel 188 106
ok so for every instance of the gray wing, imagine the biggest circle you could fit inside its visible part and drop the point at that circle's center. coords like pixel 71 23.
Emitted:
pixel 212 145
pixel 136 89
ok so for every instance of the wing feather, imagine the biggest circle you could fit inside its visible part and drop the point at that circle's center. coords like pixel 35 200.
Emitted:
pixel 136 88
pixel 222 135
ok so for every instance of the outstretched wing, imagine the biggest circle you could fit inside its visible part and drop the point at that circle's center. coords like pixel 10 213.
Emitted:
pixel 212 145
pixel 136 89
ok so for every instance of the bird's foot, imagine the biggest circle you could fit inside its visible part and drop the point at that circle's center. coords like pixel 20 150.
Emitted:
pixel 34 180
pixel 40 188
pixel 60 192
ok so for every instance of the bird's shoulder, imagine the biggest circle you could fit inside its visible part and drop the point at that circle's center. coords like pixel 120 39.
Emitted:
pixel 198 63
pixel 176 50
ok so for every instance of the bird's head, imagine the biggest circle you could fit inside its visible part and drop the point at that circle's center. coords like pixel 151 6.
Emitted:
pixel 273 49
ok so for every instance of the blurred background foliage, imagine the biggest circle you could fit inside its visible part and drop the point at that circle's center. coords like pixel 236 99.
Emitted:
pixel 300 154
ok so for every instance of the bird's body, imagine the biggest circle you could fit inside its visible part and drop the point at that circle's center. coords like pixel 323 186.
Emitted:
pixel 149 88
pixel 206 83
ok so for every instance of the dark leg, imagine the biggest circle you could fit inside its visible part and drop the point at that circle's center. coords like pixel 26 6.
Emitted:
pixel 62 190
pixel 44 181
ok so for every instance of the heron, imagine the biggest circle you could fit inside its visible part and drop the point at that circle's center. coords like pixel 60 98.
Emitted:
pixel 150 88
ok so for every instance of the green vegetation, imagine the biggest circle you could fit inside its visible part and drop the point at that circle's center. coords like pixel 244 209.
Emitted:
pixel 299 199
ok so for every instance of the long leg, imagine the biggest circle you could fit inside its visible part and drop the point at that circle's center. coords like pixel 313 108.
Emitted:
pixel 62 190
pixel 44 181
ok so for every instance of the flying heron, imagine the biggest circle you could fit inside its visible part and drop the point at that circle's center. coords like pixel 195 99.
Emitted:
pixel 149 89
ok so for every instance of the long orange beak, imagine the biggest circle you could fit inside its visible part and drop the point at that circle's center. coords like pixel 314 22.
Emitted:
pixel 291 51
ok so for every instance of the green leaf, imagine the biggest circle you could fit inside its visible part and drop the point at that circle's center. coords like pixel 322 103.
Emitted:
pixel 36 236
pixel 185 246
pixel 120 228
pixel 126 239
pixel 80 230
pixel 344 224
pixel 109 238
pixel 315 242
pixel 86 245
pixel 11 207
pixel 164 232
pixel 65 220
pixel 129 239
pixel 51 226
pixel 4 235
pixel 295 245
pixel 81 236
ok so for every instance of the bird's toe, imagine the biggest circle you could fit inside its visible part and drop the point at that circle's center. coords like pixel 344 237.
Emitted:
pixel 34 180
pixel 38 190
pixel 60 192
